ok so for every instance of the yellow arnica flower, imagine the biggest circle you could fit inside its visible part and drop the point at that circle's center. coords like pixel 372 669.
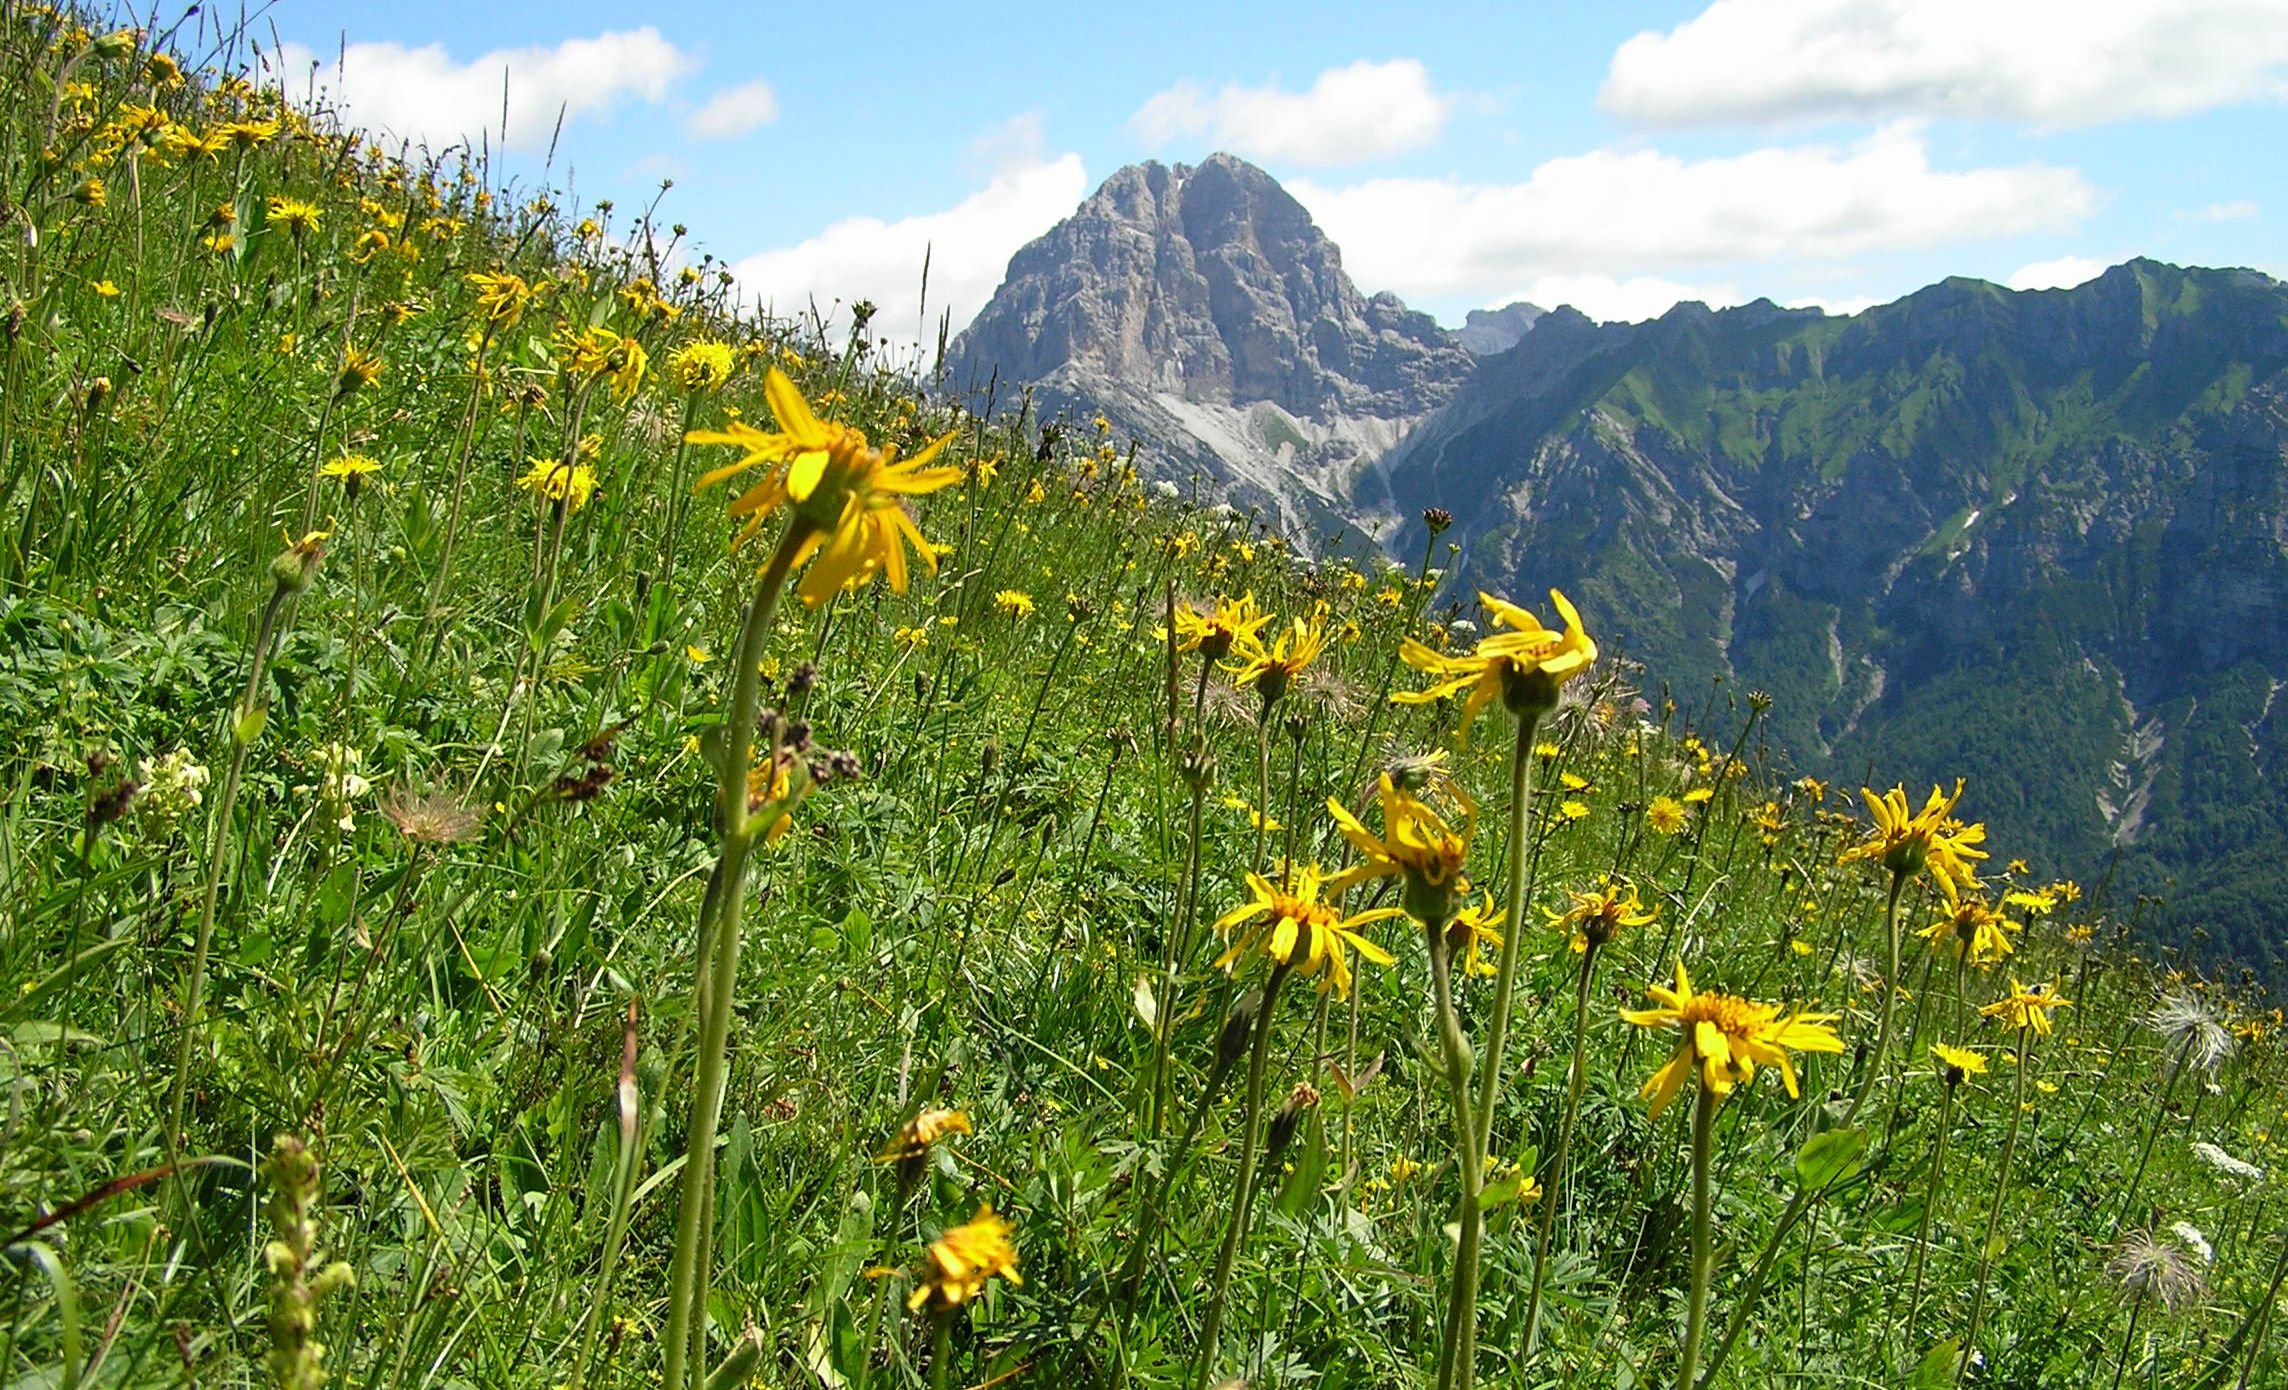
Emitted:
pixel 1294 928
pixel 1974 931
pixel 915 1136
pixel 1416 845
pixel 248 134
pixel 350 469
pixel 501 297
pixel 599 352
pixel 2024 1008
pixel 848 498
pixel 705 365
pixel 1521 663
pixel 1726 1039
pixel 1271 669
pixel 1906 841
pixel 1214 633
pixel 1957 1063
pixel 1472 933
pixel 958 1264
pixel 1665 815
pixel 1014 602
pixel 556 481
pixel 294 214
pixel 1598 914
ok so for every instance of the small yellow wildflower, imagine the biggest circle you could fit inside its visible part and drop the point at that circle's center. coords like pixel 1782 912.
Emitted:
pixel 1016 603
pixel 554 481
pixel 1725 1038
pixel 958 1264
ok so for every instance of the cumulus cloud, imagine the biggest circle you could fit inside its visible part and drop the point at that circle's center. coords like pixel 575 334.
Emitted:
pixel 734 111
pixel 2049 63
pixel 2061 274
pixel 968 245
pixel 1622 299
pixel 1350 115
pixel 423 95
pixel 1624 213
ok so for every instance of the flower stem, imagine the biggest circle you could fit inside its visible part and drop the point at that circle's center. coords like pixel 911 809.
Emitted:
pixel 1696 1307
pixel 1994 1212
pixel 1553 1185
pixel 1243 1190
pixel 1505 980
pixel 1930 1206
pixel 1457 1363
pixel 246 724
pixel 718 969
pixel 1890 999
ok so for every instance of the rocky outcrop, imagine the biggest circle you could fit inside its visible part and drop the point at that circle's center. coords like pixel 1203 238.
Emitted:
pixel 1203 312
pixel 1488 331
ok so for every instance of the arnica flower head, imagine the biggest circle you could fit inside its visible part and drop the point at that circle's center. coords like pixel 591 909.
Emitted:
pixel 1472 932
pixel 350 470
pixel 848 497
pixel 360 368
pixel 1293 928
pixel 294 214
pixel 1523 663
pixel 1016 603
pixel 2024 1008
pixel 1906 841
pixel 553 480
pixel 1598 914
pixel 1215 632
pixel 1975 933
pixel 957 1264
pixel 911 1145
pixel 1416 845
pixel 702 366
pixel 594 353
pixel 1270 668
pixel 1957 1064
pixel 501 297
pixel 1726 1039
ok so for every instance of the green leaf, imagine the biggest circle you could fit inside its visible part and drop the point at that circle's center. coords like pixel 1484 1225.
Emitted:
pixel 1830 1158
pixel 1936 1369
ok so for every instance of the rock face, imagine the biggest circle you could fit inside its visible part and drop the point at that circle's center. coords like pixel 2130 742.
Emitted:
pixel 2039 539
pixel 1488 331
pixel 1203 312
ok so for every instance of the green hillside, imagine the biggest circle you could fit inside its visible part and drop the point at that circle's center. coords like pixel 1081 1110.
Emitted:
pixel 470 917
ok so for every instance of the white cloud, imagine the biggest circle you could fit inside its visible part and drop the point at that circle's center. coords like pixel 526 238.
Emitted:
pixel 2045 62
pixel 2240 210
pixel 2061 274
pixel 423 95
pixel 1616 299
pixel 734 111
pixel 968 246
pixel 1636 213
pixel 1350 115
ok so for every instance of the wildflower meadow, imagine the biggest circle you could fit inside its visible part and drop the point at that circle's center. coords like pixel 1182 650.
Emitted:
pixel 558 832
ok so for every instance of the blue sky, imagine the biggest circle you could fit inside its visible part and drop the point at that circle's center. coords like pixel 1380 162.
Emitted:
pixel 1616 156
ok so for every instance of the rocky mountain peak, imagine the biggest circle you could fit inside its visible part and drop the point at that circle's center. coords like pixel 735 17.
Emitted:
pixel 1202 310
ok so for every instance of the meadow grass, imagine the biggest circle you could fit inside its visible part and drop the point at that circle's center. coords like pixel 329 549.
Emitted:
pixel 424 961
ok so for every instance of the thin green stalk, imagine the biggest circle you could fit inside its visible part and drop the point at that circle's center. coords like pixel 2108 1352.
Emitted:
pixel 246 723
pixel 1262 782
pixel 1243 1189
pixel 1458 1356
pixel 2153 1132
pixel 1890 998
pixel 1930 1206
pixel 1505 979
pixel 718 955
pixel 1994 1212
pixel 1553 1185
pixel 941 1351
pixel 2128 1340
pixel 1703 1243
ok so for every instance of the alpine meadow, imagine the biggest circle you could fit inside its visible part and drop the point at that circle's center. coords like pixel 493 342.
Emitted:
pixel 558 832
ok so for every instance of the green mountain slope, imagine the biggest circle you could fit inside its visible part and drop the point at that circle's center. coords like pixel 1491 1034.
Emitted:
pixel 2037 539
